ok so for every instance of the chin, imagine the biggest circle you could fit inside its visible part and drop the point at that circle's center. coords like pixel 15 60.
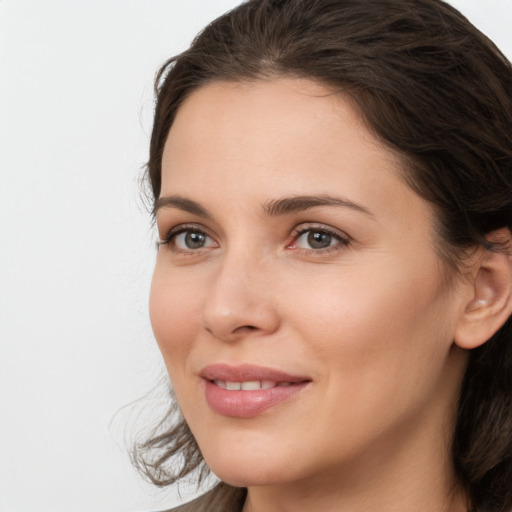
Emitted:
pixel 248 477
pixel 243 469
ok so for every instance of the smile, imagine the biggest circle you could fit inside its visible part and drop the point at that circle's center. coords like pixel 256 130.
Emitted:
pixel 245 391
pixel 251 385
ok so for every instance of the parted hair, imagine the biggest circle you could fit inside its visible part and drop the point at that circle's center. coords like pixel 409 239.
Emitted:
pixel 434 89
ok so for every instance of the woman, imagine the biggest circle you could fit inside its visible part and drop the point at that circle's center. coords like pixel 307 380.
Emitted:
pixel 332 184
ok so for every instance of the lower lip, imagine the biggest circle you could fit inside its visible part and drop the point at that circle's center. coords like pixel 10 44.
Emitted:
pixel 246 404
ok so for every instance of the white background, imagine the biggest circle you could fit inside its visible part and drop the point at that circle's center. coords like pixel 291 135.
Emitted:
pixel 76 245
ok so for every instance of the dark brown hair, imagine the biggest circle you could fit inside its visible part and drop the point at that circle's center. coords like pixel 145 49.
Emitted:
pixel 435 90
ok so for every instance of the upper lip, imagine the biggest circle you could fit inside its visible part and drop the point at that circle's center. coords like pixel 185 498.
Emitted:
pixel 247 372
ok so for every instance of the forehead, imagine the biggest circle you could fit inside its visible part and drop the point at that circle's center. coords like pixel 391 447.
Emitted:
pixel 261 139
pixel 260 122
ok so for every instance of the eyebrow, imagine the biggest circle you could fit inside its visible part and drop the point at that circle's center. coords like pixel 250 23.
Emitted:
pixel 273 208
pixel 295 204
pixel 181 203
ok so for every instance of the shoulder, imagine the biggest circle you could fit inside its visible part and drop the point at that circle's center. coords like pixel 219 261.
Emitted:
pixel 222 498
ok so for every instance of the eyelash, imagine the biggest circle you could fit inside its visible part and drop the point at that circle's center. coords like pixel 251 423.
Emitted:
pixel 171 236
pixel 342 239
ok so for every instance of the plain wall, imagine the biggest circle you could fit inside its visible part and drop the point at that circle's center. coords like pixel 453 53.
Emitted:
pixel 76 245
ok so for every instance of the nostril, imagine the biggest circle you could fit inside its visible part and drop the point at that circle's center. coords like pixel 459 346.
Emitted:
pixel 247 327
pixel 239 329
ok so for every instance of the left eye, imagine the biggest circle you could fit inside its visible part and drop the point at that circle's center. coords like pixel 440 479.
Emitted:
pixel 317 239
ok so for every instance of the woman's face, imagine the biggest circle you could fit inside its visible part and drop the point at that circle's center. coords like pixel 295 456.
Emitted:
pixel 298 299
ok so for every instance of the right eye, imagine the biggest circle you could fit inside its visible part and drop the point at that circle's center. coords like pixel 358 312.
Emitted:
pixel 188 239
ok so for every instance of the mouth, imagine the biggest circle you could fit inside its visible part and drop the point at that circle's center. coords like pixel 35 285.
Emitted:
pixel 249 373
pixel 246 391
pixel 250 385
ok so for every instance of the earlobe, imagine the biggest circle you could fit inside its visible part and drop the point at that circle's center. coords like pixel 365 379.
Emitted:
pixel 491 300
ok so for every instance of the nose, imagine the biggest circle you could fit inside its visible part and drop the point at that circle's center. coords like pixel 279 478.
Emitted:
pixel 240 301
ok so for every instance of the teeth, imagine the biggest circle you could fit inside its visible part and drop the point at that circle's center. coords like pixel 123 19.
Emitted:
pixel 251 385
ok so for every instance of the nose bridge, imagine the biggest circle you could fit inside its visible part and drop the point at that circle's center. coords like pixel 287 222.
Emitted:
pixel 239 300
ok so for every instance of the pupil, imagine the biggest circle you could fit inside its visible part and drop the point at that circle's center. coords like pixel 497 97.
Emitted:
pixel 319 240
pixel 194 240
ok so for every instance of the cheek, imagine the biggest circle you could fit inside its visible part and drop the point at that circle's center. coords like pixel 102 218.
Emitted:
pixel 380 341
pixel 382 319
pixel 173 312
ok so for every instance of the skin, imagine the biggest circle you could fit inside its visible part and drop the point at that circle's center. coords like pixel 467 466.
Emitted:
pixel 370 318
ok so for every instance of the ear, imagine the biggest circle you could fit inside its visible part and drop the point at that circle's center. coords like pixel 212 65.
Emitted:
pixel 490 304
